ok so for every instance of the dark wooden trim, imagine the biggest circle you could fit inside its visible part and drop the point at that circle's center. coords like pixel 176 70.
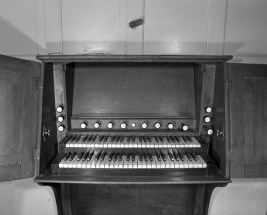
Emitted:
pixel 135 58
pixel 200 191
pixel 66 199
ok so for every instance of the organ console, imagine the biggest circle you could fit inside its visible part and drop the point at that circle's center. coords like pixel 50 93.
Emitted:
pixel 130 134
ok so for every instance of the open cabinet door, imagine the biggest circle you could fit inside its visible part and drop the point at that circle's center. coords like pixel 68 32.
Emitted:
pixel 18 117
pixel 248 120
pixel 220 120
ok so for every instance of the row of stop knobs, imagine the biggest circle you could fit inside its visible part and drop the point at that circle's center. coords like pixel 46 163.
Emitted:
pixel 125 124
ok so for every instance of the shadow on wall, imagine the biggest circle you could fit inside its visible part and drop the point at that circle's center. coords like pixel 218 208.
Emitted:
pixel 15 42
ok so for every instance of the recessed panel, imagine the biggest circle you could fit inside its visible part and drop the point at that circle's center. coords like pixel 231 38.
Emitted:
pixel 128 89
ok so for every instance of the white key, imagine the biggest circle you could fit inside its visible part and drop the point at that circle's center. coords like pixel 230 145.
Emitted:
pixel 73 163
pixel 171 163
pixel 125 163
pixel 62 163
pixel 204 164
pixel 190 164
pixel 196 143
pixel 135 162
pixel 130 163
pixel 139 143
pixel 107 162
pixel 120 163
pixel 153 163
pixel 84 164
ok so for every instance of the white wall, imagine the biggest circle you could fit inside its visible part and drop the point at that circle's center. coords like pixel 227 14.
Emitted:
pixel 234 27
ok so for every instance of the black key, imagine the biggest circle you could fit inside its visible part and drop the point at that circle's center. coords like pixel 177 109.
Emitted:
pixel 133 157
pixel 90 155
pixel 173 139
pixel 149 139
pixel 161 139
pixel 94 138
pixel 194 156
pixel 72 156
pixel 176 156
pixel 145 157
pixel 163 156
pixel 156 139
pixel 78 138
pixel 190 139
pixel 140 157
pixel 90 138
pixel 120 157
pixel 80 156
pixel 117 139
pixel 84 138
pixel 73 138
pixel 189 157
pixel 150 156
pixel 182 156
pixel 66 157
pixel 171 156
pixel 128 157
pixel 177 139
pixel 105 139
pixel 185 139
pixel 133 138
pixel 85 156
pixel 140 139
pixel 121 138
pixel 168 139
pixel 97 156
pixel 103 155
pixel 110 156
pixel 145 138
pixel 115 157
pixel 158 156
pixel 128 138
pixel 100 138
pixel 113 138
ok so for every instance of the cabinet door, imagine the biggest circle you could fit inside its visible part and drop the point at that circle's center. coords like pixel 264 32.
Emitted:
pixel 219 149
pixel 18 117
pixel 248 120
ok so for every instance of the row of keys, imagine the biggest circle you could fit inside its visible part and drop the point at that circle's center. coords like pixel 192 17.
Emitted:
pixel 119 141
pixel 162 159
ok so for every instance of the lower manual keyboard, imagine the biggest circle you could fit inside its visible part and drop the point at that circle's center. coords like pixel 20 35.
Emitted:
pixel 157 159
pixel 119 141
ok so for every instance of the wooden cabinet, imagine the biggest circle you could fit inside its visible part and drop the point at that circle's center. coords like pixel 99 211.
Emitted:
pixel 248 120
pixel 19 97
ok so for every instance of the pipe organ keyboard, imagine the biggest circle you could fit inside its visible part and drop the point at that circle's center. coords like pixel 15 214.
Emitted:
pixel 150 159
pixel 132 134
pixel 121 141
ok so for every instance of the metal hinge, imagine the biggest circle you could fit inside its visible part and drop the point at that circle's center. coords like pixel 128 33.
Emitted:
pixel 39 83
pixel 36 154
pixel 228 84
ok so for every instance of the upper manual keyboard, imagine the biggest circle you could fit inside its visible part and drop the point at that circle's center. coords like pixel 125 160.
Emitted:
pixel 120 141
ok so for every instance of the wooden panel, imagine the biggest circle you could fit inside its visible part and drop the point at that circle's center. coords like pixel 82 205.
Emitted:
pixel 219 142
pixel 248 120
pixel 134 89
pixel 93 27
pixel 255 126
pixel 131 199
pixel 19 106
pixel 175 27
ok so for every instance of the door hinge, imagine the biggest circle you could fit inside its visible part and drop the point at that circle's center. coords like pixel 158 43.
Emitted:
pixel 36 154
pixel 228 84
pixel 39 83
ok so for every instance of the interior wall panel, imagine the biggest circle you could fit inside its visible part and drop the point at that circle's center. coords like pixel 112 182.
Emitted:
pixel 94 26
pixel 176 27
pixel 246 31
